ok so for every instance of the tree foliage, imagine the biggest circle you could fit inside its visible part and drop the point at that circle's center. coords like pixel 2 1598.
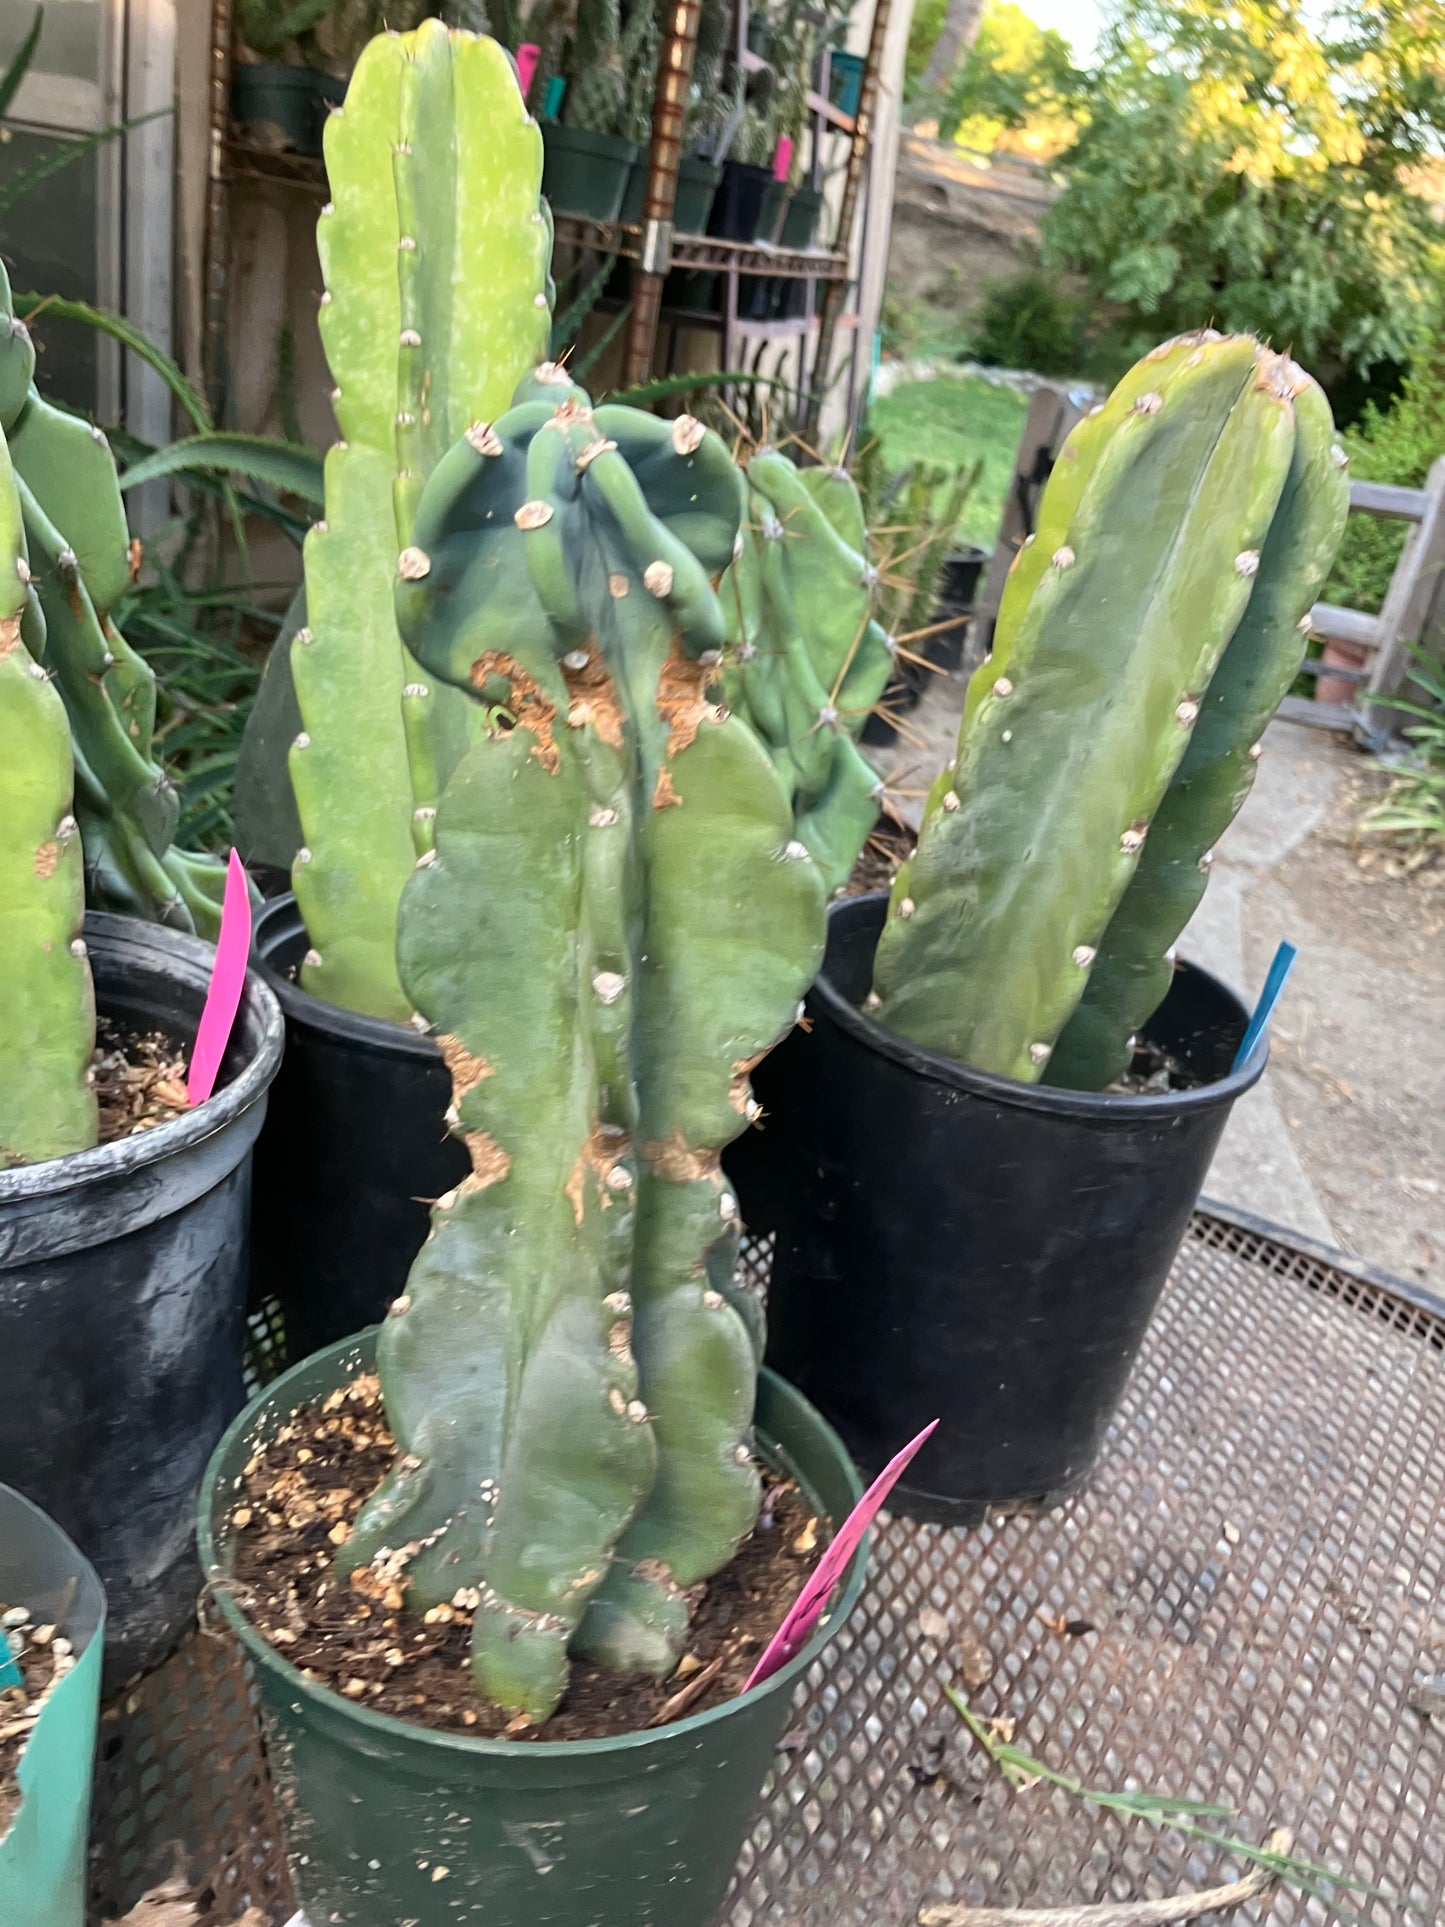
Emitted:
pixel 1242 164
pixel 1018 78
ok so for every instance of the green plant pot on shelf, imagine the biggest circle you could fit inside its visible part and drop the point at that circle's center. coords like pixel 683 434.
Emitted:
pixel 800 223
pixel 585 173
pixel 641 1826
pixel 282 107
pixel 697 183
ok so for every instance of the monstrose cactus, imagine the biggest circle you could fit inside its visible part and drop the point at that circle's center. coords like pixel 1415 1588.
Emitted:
pixel 80 555
pixel 435 250
pixel 47 1012
pixel 615 924
pixel 807 661
pixel 1146 636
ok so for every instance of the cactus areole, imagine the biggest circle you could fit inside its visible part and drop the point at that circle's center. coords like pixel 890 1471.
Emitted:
pixel 614 924
pixel 1148 632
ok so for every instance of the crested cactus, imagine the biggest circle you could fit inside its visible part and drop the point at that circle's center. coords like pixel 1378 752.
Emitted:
pixel 435 251
pixel 1145 639
pixel 807 660
pixel 570 1391
pixel 47 1010
pixel 80 556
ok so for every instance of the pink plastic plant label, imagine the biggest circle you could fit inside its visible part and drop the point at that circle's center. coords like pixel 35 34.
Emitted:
pixel 783 159
pixel 793 1634
pixel 528 54
pixel 228 980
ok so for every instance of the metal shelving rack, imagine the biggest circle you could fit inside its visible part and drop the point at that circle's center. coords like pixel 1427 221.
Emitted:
pixel 652 248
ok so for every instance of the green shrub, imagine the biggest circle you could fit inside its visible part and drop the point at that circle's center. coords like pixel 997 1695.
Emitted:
pixel 1396 444
pixel 1026 323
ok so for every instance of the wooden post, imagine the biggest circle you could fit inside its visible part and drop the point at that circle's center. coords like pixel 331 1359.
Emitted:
pixel 834 291
pixel 1052 413
pixel 669 103
pixel 1413 597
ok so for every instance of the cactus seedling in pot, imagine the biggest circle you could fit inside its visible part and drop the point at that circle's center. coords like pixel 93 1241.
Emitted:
pixel 1146 636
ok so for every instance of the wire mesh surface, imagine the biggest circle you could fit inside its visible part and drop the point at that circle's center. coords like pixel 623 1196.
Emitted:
pixel 1243 1606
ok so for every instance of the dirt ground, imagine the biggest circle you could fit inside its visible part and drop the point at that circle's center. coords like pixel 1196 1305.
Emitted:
pixel 1359 1047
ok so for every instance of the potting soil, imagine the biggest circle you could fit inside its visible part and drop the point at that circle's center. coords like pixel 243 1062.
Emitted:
pixel 139 1079
pixel 303 1490
pixel 43 1655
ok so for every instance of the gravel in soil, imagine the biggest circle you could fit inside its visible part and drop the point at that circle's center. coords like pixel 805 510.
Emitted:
pixel 44 1656
pixel 304 1489
pixel 139 1079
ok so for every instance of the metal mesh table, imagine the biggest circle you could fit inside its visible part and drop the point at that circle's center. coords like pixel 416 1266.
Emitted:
pixel 1260 1566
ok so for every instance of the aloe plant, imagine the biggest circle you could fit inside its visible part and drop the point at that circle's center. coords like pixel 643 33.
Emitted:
pixel 567 1375
pixel 1146 636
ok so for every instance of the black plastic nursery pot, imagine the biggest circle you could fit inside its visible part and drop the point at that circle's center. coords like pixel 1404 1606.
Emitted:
pixel 354 1150
pixel 123 1280
pixel 283 106
pixel 963 1247
pixel 957 593
pixel 645 1827
pixel 42 1853
pixel 585 173
pixel 737 209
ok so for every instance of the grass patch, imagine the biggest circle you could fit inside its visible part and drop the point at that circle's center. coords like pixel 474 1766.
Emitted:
pixel 956 421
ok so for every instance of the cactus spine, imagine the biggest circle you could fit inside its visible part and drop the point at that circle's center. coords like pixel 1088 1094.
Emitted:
pixel 807 660
pixel 47 1012
pixel 80 554
pixel 571 1394
pixel 1203 490
pixel 435 253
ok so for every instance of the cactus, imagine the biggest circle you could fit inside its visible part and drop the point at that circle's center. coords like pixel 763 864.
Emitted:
pixel 570 1392
pixel 80 554
pixel 1186 530
pixel 47 1009
pixel 435 253
pixel 807 660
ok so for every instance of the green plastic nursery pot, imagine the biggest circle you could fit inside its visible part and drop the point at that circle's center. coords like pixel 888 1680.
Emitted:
pixel 643 1828
pixel 42 1856
pixel 697 183
pixel 267 95
pixel 585 173
pixel 800 223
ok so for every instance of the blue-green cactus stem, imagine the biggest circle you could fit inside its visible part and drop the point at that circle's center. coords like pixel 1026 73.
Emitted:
pixel 571 1395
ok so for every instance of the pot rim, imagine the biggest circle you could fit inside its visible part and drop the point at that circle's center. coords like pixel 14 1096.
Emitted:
pixel 219 1585
pixel 127 1155
pixel 379 1034
pixel 1115 1106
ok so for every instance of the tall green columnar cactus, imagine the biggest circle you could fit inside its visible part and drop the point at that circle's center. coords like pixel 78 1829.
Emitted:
pixel 571 1393
pixel 435 252
pixel 47 1011
pixel 807 661
pixel 80 555
pixel 1144 640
